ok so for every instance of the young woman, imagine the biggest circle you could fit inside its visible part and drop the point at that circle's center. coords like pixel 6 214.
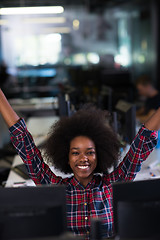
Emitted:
pixel 85 146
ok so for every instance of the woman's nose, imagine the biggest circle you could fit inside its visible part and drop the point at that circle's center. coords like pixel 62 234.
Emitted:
pixel 83 157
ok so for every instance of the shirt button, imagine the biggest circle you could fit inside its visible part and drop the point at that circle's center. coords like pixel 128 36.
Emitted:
pixel 86 218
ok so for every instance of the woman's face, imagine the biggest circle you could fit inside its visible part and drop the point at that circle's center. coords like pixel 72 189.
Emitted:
pixel 82 159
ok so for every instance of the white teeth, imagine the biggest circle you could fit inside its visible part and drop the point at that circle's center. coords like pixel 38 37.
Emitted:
pixel 83 167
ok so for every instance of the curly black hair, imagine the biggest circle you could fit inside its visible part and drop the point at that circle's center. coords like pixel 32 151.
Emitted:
pixel 89 122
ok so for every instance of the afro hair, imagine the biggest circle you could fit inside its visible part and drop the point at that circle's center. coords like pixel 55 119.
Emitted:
pixel 90 122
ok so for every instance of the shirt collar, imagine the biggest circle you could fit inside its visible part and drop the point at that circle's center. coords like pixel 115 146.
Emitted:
pixel 95 181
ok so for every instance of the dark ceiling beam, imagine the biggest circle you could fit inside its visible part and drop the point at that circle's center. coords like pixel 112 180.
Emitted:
pixel 97 6
pixel 28 3
pixel 92 3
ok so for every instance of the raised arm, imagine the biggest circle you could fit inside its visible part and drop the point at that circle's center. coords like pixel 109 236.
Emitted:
pixel 24 144
pixel 153 123
pixel 7 111
pixel 141 147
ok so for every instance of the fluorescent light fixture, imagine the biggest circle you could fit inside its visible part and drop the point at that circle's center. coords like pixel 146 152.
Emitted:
pixel 54 37
pixel 58 30
pixel 31 10
pixel 45 20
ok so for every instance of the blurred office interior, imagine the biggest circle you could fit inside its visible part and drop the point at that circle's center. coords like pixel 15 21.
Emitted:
pixel 87 44
pixel 91 50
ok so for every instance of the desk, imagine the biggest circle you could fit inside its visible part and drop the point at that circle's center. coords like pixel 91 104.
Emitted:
pixel 35 105
pixel 39 126
pixel 15 180
pixel 151 167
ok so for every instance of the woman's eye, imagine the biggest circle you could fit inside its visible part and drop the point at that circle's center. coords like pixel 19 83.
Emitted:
pixel 75 153
pixel 90 153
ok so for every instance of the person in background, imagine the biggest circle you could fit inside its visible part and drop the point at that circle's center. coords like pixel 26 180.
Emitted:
pixel 152 98
pixel 84 145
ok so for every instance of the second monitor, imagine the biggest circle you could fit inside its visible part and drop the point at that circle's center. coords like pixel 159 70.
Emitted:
pixel 137 209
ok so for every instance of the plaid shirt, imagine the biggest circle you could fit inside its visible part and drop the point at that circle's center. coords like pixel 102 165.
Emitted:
pixel 96 199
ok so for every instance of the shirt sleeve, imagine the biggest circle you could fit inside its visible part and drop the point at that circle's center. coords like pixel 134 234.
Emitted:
pixel 24 144
pixel 141 147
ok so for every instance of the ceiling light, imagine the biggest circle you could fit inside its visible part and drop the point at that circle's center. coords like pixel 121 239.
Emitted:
pixel 58 30
pixel 45 20
pixel 31 10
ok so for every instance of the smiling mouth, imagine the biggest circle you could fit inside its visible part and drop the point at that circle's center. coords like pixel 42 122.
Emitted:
pixel 83 167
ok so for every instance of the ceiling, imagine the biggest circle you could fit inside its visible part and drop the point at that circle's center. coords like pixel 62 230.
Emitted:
pixel 91 3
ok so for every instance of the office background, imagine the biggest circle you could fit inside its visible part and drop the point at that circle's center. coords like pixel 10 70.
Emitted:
pixel 56 56
pixel 113 34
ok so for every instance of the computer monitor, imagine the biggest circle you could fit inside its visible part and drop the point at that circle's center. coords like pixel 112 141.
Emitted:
pixel 126 120
pixel 121 83
pixel 105 98
pixel 32 212
pixel 136 208
pixel 63 105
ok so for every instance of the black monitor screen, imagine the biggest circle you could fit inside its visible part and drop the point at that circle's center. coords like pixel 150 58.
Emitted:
pixel 126 120
pixel 137 209
pixel 32 212
pixel 64 106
